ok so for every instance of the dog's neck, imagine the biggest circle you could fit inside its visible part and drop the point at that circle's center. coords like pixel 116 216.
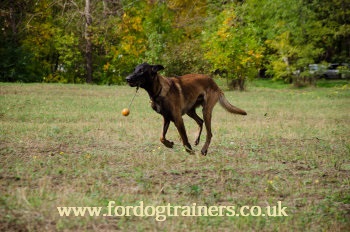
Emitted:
pixel 159 87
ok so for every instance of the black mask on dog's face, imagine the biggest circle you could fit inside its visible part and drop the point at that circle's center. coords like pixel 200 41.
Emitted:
pixel 143 73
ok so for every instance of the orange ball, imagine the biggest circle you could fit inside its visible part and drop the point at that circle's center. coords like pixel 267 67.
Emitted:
pixel 125 112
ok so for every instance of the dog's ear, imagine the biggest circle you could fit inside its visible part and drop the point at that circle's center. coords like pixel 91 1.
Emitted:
pixel 156 68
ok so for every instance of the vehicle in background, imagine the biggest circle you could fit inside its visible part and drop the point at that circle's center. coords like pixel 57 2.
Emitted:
pixel 333 71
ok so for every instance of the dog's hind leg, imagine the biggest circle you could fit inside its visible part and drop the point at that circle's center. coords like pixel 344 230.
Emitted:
pixel 207 120
pixel 207 113
pixel 166 142
pixel 179 123
pixel 192 113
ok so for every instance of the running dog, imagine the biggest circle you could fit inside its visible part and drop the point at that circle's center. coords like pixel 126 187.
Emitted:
pixel 176 96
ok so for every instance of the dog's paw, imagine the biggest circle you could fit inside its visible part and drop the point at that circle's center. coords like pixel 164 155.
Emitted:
pixel 189 150
pixel 196 142
pixel 204 152
pixel 167 143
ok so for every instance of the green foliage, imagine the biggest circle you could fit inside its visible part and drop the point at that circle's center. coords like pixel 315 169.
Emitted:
pixel 45 40
pixel 293 36
pixel 186 57
pixel 69 60
pixel 124 47
pixel 159 32
pixel 232 47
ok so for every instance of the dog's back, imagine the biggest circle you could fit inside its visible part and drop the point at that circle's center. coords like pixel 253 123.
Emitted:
pixel 197 89
pixel 195 84
pixel 194 89
pixel 197 80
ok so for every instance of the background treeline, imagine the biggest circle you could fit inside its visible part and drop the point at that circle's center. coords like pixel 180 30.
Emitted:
pixel 100 41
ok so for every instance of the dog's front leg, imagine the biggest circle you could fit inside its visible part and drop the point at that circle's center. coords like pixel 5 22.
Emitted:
pixel 166 142
pixel 182 131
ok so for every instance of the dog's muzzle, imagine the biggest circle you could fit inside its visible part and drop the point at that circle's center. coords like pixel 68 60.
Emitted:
pixel 131 81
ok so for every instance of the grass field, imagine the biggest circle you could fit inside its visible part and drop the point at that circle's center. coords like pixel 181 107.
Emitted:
pixel 69 145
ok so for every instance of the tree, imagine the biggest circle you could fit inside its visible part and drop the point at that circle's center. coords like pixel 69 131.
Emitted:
pixel 88 39
pixel 26 49
pixel 293 36
pixel 334 17
pixel 101 41
pixel 232 47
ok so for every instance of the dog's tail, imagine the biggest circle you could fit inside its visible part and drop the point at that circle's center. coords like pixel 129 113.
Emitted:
pixel 230 108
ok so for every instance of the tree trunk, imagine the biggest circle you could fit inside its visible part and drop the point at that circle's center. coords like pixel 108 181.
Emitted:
pixel 88 37
pixel 237 84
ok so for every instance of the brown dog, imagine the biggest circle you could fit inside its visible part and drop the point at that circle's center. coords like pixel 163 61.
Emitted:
pixel 174 97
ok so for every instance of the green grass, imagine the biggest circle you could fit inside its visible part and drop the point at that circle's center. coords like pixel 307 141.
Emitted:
pixel 268 83
pixel 68 145
pixel 333 84
pixel 280 84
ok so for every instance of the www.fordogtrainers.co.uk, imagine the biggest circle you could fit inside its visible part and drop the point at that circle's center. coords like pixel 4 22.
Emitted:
pixel 161 212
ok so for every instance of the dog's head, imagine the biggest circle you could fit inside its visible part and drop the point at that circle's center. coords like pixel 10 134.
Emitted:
pixel 143 73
